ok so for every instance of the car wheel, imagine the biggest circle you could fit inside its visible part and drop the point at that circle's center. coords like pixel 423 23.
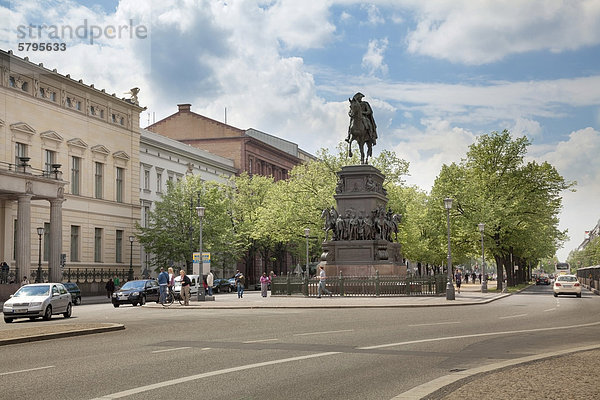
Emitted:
pixel 578 294
pixel 555 294
pixel 116 305
pixel 48 313
pixel 8 320
pixel 78 301
pixel 32 318
pixel 142 300
pixel 67 313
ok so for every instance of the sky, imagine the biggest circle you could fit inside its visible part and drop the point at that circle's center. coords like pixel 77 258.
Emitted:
pixel 437 73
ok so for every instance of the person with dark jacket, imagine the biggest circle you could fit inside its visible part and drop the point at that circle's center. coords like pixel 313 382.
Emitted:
pixel 110 288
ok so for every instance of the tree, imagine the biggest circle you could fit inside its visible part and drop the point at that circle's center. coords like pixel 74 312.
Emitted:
pixel 173 230
pixel 518 202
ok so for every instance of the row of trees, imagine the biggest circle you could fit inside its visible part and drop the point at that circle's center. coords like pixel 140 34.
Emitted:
pixel 589 255
pixel 518 202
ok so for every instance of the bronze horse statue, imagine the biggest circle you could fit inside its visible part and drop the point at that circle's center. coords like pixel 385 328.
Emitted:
pixel 359 132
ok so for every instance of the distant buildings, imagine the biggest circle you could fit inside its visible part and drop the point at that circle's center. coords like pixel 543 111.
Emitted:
pixel 590 235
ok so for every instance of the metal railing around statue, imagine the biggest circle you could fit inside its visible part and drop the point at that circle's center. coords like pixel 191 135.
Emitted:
pixel 371 286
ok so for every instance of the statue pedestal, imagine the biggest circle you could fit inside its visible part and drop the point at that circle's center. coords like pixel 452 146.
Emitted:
pixel 363 230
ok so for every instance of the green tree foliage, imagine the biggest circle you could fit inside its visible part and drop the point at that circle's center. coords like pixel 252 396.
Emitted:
pixel 173 231
pixel 518 202
pixel 588 256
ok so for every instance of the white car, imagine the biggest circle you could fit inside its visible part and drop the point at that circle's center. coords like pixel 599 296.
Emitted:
pixel 567 284
pixel 38 300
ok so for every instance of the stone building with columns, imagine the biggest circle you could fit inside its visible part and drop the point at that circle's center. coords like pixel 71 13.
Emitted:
pixel 69 163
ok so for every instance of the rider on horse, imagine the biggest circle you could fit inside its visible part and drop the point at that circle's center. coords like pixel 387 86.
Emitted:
pixel 367 119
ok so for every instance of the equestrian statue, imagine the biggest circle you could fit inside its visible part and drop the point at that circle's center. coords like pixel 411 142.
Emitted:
pixel 362 127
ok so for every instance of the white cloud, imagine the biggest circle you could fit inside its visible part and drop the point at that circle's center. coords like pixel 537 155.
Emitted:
pixel 373 58
pixel 427 150
pixel 479 32
pixel 576 159
pixel 374 16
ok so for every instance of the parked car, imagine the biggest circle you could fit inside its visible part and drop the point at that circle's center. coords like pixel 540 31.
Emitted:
pixel 136 292
pixel 38 300
pixel 75 292
pixel 222 285
pixel 542 280
pixel 567 284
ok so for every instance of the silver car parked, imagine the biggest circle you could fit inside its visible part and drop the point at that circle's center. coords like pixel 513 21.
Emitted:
pixel 38 300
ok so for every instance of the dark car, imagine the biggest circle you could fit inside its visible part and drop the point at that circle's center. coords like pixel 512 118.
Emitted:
pixel 222 285
pixel 75 292
pixel 542 280
pixel 136 292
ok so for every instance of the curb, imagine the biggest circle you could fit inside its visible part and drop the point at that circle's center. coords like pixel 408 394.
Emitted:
pixel 332 306
pixel 444 382
pixel 108 327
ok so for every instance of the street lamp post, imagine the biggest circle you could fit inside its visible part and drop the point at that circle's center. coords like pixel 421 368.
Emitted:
pixel 484 287
pixel 40 232
pixel 201 297
pixel 130 275
pixel 449 286
pixel 306 233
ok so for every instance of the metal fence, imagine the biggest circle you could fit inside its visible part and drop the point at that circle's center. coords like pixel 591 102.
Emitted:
pixel 590 277
pixel 77 275
pixel 369 286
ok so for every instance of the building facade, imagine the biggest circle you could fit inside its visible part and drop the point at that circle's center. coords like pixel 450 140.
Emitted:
pixel 251 150
pixel 163 159
pixel 69 164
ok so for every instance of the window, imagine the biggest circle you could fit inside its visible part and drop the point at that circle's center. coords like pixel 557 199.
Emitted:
pixel 146 179
pixel 146 216
pixel 75 175
pixel 74 243
pixel 49 159
pixel 98 179
pixel 98 245
pixel 119 246
pixel 46 241
pixel 159 182
pixel 20 151
pixel 120 177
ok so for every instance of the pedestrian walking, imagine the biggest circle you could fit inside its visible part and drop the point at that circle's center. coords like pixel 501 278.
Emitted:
pixel 185 287
pixel 210 281
pixel 163 281
pixel 240 280
pixel 322 279
pixel 110 288
pixel 264 284
pixel 473 276
pixel 479 276
pixel 466 277
pixel 117 282
pixel 458 279
pixel 25 281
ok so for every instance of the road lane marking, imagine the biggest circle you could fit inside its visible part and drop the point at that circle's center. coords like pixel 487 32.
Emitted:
pixel 25 370
pixel 171 382
pixel 437 323
pixel 381 346
pixel 260 340
pixel 550 309
pixel 175 349
pixel 513 316
pixel 323 333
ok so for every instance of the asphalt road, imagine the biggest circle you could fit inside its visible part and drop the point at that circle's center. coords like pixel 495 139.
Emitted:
pixel 290 353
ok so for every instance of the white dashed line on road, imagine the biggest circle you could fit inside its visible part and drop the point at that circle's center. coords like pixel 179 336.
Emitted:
pixel 25 370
